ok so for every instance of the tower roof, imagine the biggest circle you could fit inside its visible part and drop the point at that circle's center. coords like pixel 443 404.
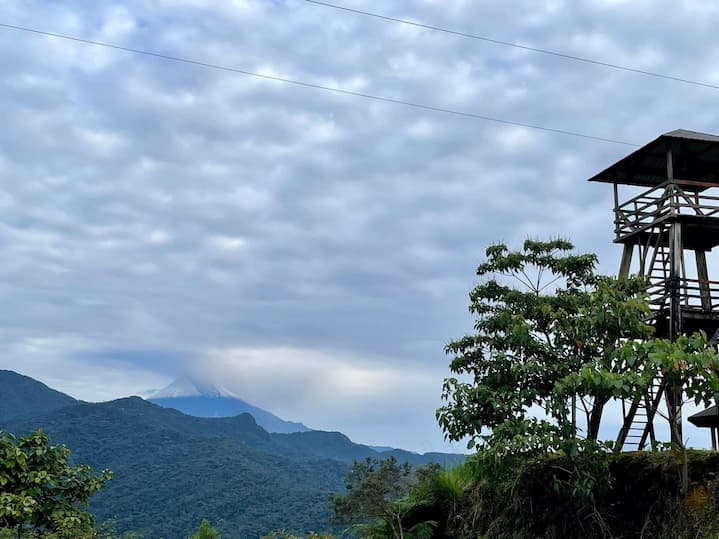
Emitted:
pixel 695 158
pixel 706 418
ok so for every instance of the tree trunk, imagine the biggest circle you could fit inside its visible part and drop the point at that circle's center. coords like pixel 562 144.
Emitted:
pixel 595 420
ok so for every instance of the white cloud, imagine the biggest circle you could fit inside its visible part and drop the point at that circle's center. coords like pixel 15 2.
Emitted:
pixel 149 204
pixel 226 244
pixel 54 361
pixel 332 389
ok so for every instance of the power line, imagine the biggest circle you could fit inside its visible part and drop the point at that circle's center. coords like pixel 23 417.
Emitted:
pixel 515 45
pixel 314 86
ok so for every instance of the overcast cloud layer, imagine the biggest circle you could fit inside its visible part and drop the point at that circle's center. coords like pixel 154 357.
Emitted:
pixel 313 250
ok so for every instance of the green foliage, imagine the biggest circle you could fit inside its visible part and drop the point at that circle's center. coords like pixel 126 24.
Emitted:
pixel 373 486
pixel 171 471
pixel 530 341
pixel 553 336
pixel 168 481
pixel 643 500
pixel 105 531
pixel 377 503
pixel 108 530
pixel 40 492
pixel 205 531
pixel 284 535
pixel 690 367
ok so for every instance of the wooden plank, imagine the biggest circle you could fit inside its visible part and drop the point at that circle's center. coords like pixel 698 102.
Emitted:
pixel 696 183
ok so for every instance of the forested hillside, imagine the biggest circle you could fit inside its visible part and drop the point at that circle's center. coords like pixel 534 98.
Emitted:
pixel 171 470
pixel 21 396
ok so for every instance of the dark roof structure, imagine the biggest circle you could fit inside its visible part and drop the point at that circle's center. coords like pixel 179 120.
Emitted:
pixel 695 157
pixel 706 418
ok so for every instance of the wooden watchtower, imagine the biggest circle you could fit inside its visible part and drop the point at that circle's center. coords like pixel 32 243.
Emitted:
pixel 667 226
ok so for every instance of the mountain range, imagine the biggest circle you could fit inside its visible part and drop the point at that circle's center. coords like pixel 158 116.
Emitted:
pixel 172 469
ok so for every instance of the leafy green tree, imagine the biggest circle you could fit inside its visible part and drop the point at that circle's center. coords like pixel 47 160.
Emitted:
pixel 378 501
pixel 40 493
pixel 205 531
pixel 552 336
pixel 542 313
pixel 690 366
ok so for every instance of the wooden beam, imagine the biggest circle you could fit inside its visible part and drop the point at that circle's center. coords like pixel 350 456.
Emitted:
pixel 626 263
pixel 674 394
pixel 670 165
pixel 652 404
pixel 703 275
pixel 676 253
pixel 696 183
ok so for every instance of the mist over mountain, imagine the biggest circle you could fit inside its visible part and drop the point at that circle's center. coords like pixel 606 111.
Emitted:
pixel 187 386
pixel 200 398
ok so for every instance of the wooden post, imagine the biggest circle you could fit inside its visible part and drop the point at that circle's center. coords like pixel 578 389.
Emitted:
pixel 616 210
pixel 626 263
pixel 674 394
pixel 703 275
pixel 714 438
pixel 676 253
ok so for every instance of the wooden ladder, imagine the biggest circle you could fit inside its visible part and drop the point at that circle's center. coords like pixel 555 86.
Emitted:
pixel 639 419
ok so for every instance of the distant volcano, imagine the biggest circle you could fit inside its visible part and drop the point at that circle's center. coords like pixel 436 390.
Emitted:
pixel 189 387
pixel 201 399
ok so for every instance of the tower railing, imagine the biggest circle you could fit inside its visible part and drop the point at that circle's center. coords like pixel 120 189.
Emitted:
pixel 669 199
pixel 694 294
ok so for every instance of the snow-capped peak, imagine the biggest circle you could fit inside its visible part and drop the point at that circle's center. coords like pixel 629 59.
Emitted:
pixel 190 387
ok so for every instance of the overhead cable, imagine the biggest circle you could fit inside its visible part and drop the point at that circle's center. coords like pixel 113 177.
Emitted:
pixel 515 45
pixel 314 85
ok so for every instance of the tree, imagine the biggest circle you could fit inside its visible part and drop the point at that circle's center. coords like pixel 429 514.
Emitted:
pixel 552 336
pixel 40 493
pixel 530 337
pixel 377 500
pixel 205 531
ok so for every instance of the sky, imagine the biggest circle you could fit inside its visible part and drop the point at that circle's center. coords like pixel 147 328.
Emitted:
pixel 311 250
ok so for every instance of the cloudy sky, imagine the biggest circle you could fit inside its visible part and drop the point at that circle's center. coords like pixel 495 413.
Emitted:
pixel 312 250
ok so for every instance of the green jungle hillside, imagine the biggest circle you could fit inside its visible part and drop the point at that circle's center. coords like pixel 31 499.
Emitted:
pixel 172 470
